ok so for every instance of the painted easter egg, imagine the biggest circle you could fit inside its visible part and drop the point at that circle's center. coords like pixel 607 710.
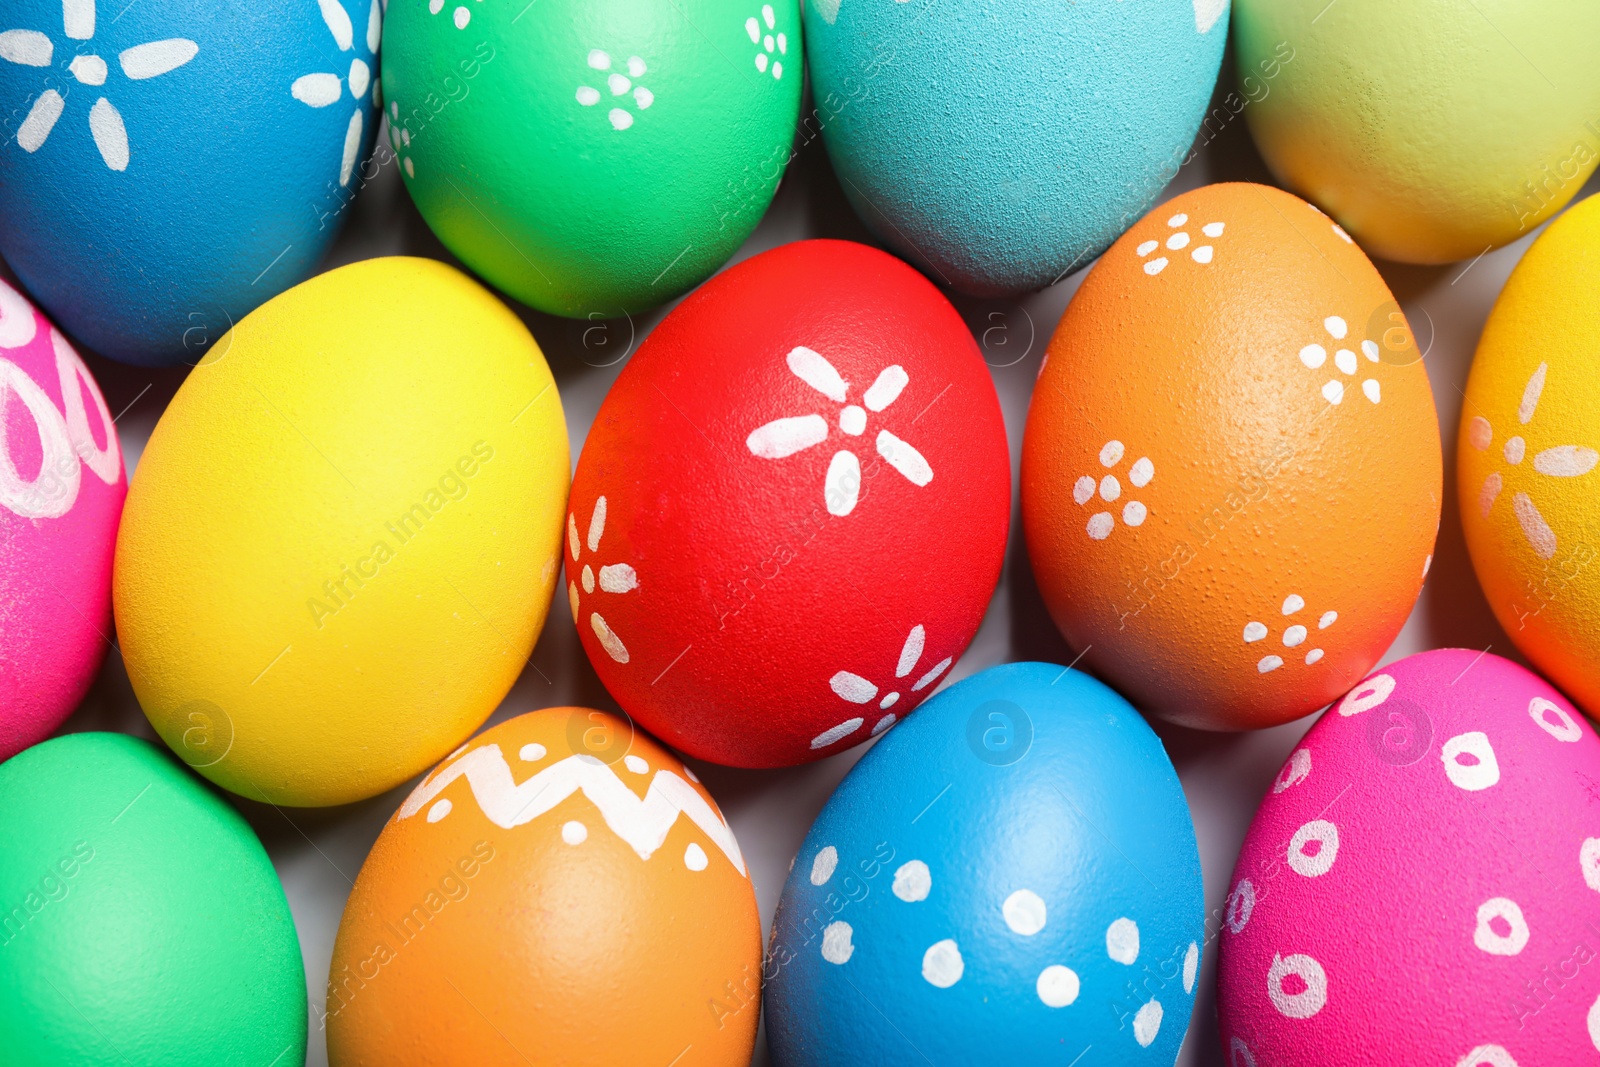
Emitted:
pixel 343 536
pixel 133 205
pixel 61 492
pixel 791 510
pixel 1231 473
pixel 1428 146
pixel 561 888
pixel 1001 147
pixel 593 157
pixel 1525 461
pixel 1420 884
pixel 1010 877
pixel 138 914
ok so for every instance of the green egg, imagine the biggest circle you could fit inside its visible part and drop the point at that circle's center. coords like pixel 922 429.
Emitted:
pixel 1432 130
pixel 140 920
pixel 592 158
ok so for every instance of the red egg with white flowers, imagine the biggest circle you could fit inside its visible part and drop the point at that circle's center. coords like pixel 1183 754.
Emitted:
pixel 791 510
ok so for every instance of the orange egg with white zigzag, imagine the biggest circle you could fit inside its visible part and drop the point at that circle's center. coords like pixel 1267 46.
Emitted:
pixel 563 890
pixel 1231 474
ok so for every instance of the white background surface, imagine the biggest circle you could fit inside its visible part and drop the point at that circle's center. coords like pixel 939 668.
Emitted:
pixel 318 853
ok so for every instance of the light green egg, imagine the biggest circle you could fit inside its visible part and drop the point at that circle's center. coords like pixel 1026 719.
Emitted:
pixel 141 922
pixel 592 157
pixel 1432 130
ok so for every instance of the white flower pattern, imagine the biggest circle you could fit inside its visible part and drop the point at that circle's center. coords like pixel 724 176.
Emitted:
pixel 1109 489
pixel 858 690
pixel 784 437
pixel 1179 241
pixel 767 42
pixel 1294 635
pixel 324 90
pixel 613 578
pixel 30 48
pixel 1315 355
pixel 1562 461
pixel 620 86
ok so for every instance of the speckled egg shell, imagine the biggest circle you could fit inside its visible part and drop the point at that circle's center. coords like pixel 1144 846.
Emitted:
pixel 1432 132
pixel 1231 470
pixel 1009 877
pixel 141 921
pixel 791 510
pixel 172 165
pixel 593 157
pixel 1420 885
pixel 1000 146
pixel 61 492
pixel 560 890
pixel 1526 457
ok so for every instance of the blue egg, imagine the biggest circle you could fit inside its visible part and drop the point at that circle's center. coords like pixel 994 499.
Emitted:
pixel 1010 876
pixel 168 165
pixel 1001 145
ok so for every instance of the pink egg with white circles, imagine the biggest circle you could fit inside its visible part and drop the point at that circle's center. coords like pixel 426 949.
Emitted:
pixel 1421 885
pixel 61 490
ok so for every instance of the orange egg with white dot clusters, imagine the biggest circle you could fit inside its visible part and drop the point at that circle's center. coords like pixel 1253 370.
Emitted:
pixel 1231 474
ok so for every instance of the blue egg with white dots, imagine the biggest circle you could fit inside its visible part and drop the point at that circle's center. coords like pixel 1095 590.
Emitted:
pixel 1009 876
pixel 1000 146
pixel 169 165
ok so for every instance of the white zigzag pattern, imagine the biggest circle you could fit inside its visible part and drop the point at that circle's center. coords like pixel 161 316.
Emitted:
pixel 643 824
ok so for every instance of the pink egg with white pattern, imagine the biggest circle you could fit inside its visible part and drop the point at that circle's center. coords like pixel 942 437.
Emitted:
pixel 1421 885
pixel 61 490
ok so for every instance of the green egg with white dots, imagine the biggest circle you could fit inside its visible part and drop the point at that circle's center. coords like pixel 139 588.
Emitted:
pixel 592 158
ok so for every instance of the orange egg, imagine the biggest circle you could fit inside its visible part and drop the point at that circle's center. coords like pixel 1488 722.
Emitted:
pixel 1231 473
pixel 561 890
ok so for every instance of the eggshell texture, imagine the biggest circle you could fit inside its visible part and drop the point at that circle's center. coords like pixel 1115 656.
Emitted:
pixel 791 510
pixel 1420 885
pixel 1010 877
pixel 1530 426
pixel 593 157
pixel 1231 470
pixel 175 164
pixel 342 539
pixel 560 890
pixel 1002 145
pixel 140 919
pixel 61 491
pixel 1432 133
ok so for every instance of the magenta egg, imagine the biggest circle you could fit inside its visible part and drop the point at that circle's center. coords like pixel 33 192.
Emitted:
pixel 61 490
pixel 1422 883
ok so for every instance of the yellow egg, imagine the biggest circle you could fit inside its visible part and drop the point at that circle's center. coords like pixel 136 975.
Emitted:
pixel 1530 427
pixel 341 541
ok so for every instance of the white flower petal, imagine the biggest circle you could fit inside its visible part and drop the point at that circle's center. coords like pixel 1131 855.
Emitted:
pixel 785 437
pixel 811 368
pixel 842 487
pixel 836 733
pixel 608 640
pixel 911 651
pixel 597 524
pixel 887 388
pixel 29 48
pixel 903 458
pixel 938 669
pixel 1530 395
pixel 618 578
pixel 78 18
pixel 360 77
pixel 1537 531
pixel 352 147
pixel 158 57
pixel 110 135
pixel 852 687
pixel 40 121
pixel 1566 461
pixel 338 23
pixel 317 90
pixel 374 28
pixel 1486 495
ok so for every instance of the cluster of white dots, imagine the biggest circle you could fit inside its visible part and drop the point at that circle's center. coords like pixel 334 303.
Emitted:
pixel 1177 242
pixel 620 85
pixel 1315 355
pixel 767 41
pixel 460 16
pixel 1293 637
pixel 1499 926
pixel 1101 523
pixel 1025 914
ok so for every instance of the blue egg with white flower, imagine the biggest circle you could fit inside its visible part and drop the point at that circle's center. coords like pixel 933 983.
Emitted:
pixel 1009 876
pixel 169 165
pixel 999 146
